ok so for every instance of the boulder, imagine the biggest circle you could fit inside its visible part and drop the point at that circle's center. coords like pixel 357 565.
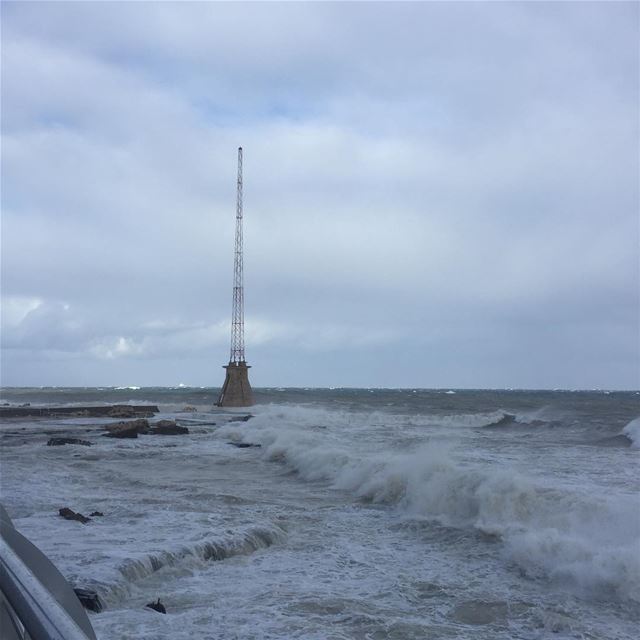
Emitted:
pixel 241 418
pixel 68 514
pixel 96 513
pixel 189 409
pixel 129 429
pixel 165 423
pixel 168 428
pixel 58 442
pixel 243 445
pixel 89 599
pixel 157 606
pixel 121 411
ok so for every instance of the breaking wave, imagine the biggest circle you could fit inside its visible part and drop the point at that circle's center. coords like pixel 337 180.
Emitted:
pixel 133 570
pixel 562 534
pixel 632 433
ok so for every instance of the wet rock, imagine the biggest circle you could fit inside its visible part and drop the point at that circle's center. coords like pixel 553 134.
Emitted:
pixel 242 418
pixel 165 423
pixel 89 599
pixel 157 606
pixel 68 514
pixel 243 445
pixel 121 411
pixel 168 428
pixel 189 409
pixel 129 429
pixel 58 442
pixel 96 513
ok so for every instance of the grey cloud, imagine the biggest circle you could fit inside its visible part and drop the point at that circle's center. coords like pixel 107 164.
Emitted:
pixel 426 183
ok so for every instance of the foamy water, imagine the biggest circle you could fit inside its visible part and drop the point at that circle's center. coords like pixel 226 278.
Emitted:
pixel 363 514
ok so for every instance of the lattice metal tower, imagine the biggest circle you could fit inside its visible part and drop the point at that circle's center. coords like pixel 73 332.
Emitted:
pixel 236 391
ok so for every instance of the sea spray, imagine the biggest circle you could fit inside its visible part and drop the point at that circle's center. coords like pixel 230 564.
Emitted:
pixel 386 497
pixel 550 530
pixel 632 431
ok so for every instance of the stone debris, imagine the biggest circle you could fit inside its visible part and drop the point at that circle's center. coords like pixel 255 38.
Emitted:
pixel 68 514
pixel 129 429
pixel 58 442
pixel 243 445
pixel 157 606
pixel 168 428
pixel 241 418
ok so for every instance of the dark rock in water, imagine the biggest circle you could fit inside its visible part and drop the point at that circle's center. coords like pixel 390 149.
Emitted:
pixel 157 606
pixel 89 599
pixel 165 423
pixel 170 431
pixel 131 432
pixel 68 514
pixel 121 411
pixel 243 445
pixel 168 428
pixel 58 442
pixel 241 418
pixel 129 429
pixel 189 409
pixel 96 513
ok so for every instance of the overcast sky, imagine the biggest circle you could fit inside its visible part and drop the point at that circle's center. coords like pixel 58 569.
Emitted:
pixel 436 194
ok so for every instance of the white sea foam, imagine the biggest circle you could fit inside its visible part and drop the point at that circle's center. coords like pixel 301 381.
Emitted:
pixel 563 533
pixel 632 431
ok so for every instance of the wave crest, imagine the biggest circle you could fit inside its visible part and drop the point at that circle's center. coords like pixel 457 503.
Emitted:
pixel 562 533
pixel 632 432
pixel 133 570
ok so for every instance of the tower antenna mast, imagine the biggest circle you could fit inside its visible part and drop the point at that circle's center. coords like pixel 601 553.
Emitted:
pixel 237 315
pixel 236 391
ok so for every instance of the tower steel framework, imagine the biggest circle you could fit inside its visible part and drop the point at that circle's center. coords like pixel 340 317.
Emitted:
pixel 236 391
pixel 237 314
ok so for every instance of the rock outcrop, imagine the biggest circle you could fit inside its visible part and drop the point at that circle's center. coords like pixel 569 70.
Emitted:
pixel 241 418
pixel 167 428
pixel 157 606
pixel 58 442
pixel 68 514
pixel 129 429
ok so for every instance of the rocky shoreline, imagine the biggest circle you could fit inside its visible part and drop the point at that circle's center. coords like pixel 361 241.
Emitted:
pixel 102 411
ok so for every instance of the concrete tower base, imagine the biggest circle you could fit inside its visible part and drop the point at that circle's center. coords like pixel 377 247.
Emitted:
pixel 236 391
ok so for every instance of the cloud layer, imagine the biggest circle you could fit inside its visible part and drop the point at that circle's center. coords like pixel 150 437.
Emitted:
pixel 436 194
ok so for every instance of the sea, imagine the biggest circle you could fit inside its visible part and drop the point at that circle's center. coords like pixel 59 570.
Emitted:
pixel 359 513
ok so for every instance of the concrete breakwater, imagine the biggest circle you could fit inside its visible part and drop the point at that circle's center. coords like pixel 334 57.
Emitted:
pixel 107 411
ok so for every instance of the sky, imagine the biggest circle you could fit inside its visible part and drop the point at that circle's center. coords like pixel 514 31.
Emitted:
pixel 437 195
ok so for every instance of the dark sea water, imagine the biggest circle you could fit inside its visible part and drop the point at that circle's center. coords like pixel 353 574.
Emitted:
pixel 365 513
